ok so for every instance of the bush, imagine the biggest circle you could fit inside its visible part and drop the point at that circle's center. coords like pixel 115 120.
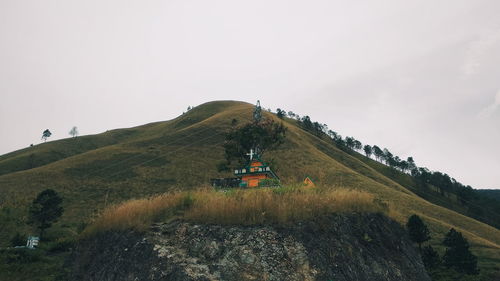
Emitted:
pixel 22 256
pixel 18 240
pixel 269 183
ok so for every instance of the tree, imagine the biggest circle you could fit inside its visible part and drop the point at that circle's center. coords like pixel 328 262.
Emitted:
pixel 333 135
pixel 411 163
pixel 403 165
pixel 349 142
pixel 417 230
pixel 379 153
pixel 280 113
pixel 318 128
pixel 45 209
pixel 46 134
pixel 18 240
pixel 368 150
pixel 465 194
pixel 457 255
pixel 357 144
pixel 259 136
pixel 74 131
pixel 430 257
pixel 397 163
pixel 388 157
pixel 422 175
pixel 306 123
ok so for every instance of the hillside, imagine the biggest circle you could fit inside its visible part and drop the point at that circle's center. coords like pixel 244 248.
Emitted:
pixel 92 172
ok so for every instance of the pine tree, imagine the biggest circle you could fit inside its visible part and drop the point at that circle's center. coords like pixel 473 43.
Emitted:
pixel 430 257
pixel 417 230
pixel 458 256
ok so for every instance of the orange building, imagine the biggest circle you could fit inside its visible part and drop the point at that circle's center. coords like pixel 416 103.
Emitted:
pixel 254 174
pixel 308 182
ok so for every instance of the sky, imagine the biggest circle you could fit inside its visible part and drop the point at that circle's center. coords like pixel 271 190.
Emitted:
pixel 421 78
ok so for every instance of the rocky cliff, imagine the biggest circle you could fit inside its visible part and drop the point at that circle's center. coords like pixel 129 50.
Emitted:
pixel 338 247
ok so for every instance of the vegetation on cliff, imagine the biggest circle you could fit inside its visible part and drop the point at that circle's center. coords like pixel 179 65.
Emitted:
pixel 235 207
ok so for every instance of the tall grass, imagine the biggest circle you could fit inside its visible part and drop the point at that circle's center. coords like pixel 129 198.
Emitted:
pixel 236 207
pixel 138 214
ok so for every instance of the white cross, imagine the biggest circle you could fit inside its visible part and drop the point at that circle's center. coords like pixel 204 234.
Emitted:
pixel 251 154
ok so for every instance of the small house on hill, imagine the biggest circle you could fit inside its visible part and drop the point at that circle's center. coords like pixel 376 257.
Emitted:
pixel 255 173
pixel 32 242
pixel 308 182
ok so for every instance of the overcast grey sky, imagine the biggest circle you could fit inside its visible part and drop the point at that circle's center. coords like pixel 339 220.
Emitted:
pixel 421 78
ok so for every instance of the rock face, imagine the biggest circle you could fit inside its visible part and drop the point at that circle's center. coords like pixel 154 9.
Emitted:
pixel 338 247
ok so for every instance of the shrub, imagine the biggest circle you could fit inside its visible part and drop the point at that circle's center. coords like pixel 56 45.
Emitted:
pixel 269 183
pixel 18 240
pixel 22 256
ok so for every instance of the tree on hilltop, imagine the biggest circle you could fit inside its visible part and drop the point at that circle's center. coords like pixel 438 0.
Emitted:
pixel 260 136
pixel 388 158
pixel 280 113
pixel 403 165
pixel 411 163
pixel 357 144
pixel 306 123
pixel 379 153
pixel 368 150
pixel 349 142
pixel 74 131
pixel 46 134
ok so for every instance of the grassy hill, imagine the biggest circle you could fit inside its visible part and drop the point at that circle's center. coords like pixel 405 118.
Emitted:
pixel 92 172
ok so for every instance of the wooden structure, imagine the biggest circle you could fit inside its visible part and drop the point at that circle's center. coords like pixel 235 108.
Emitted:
pixel 32 242
pixel 308 182
pixel 255 173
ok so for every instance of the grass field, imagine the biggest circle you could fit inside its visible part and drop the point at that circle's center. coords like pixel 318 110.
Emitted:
pixel 95 172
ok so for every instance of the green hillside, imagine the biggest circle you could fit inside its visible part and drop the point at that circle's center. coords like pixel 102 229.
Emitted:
pixel 91 172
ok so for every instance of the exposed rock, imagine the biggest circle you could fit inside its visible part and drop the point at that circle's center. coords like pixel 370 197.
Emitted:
pixel 340 247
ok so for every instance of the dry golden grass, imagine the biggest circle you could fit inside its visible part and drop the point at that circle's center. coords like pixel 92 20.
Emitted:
pixel 264 206
pixel 137 213
pixel 240 207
